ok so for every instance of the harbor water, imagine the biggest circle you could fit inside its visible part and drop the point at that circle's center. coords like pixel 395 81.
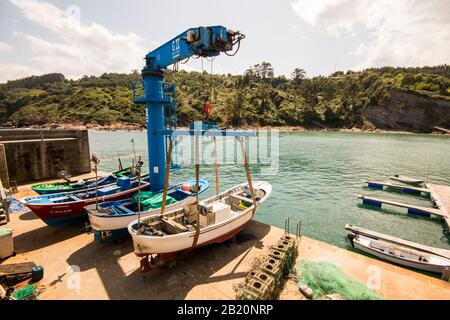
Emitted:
pixel 318 178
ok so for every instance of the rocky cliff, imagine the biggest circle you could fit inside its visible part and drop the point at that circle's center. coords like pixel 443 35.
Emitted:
pixel 408 111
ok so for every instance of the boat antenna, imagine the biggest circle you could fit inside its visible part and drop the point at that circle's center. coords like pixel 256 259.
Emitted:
pixel 134 152
pixel 139 165
pixel 95 161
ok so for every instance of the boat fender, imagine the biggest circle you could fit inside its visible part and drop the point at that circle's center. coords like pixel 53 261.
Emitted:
pixel 186 187
pixel 350 237
pixel 37 273
pixel 305 290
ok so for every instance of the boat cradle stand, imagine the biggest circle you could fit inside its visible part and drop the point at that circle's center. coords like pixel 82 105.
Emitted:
pixel 152 262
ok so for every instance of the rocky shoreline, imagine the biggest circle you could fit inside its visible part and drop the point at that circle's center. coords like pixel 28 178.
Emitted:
pixel 135 127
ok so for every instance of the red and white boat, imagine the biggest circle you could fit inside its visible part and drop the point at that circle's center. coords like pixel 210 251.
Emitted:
pixel 220 218
pixel 62 209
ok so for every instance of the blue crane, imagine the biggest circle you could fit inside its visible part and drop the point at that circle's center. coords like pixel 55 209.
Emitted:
pixel 201 41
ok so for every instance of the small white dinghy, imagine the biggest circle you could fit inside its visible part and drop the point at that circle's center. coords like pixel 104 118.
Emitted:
pixel 407 180
pixel 410 256
pixel 220 218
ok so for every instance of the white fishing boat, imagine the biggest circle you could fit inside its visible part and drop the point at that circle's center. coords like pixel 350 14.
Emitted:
pixel 220 217
pixel 399 251
pixel 406 180
pixel 116 215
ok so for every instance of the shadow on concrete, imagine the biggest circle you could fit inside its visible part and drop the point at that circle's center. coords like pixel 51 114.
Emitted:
pixel 29 215
pixel 43 237
pixel 192 269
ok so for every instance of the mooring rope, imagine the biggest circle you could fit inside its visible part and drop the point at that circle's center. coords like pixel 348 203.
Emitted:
pixel 166 178
pixel 247 173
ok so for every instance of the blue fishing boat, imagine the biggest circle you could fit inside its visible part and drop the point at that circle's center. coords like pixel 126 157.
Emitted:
pixel 116 215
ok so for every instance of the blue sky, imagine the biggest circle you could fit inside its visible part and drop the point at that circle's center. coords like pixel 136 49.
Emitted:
pixel 93 37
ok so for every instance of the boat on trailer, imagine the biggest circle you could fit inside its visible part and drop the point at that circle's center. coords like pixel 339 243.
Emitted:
pixel 407 180
pixel 70 186
pixel 117 215
pixel 399 251
pixel 165 236
pixel 62 209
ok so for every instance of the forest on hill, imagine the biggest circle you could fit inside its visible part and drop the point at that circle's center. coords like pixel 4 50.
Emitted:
pixel 256 98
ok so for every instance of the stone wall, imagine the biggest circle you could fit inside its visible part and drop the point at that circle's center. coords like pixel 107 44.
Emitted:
pixel 33 155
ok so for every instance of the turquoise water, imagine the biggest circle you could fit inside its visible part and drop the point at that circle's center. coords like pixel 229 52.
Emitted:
pixel 319 178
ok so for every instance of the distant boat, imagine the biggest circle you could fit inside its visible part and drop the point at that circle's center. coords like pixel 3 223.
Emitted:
pixel 62 209
pixel 116 215
pixel 221 217
pixel 69 186
pixel 406 180
pixel 399 251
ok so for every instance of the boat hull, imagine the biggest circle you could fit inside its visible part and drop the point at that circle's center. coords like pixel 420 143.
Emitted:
pixel 144 247
pixel 107 222
pixel 400 262
pixel 111 223
pixel 177 243
pixel 66 213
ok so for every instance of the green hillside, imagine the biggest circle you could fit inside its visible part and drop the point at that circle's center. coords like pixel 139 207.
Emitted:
pixel 258 98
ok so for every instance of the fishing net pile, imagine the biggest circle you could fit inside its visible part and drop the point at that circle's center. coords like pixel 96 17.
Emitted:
pixel 151 201
pixel 27 293
pixel 325 278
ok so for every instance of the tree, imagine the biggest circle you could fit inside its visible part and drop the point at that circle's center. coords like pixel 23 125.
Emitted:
pixel 263 71
pixel 298 75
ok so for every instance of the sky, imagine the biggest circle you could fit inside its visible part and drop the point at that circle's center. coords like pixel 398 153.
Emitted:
pixel 87 37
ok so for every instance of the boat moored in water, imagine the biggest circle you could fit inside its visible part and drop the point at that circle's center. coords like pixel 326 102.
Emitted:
pixel 220 217
pixel 407 180
pixel 399 251
pixel 61 209
pixel 116 215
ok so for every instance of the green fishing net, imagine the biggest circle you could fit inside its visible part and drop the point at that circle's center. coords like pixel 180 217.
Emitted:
pixel 151 201
pixel 325 278
pixel 25 293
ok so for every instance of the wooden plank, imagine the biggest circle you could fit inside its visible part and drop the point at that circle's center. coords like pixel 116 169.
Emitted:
pixel 441 195
pixel 244 199
pixel 438 251
pixel 398 186
pixel 436 212
pixel 16 268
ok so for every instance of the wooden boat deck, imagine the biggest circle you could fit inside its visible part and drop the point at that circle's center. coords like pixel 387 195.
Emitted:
pixel 413 209
pixel 441 196
pixel 404 188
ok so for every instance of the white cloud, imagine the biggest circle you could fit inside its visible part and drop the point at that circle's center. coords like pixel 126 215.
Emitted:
pixel 81 48
pixel 402 32
pixel 15 71
pixel 5 47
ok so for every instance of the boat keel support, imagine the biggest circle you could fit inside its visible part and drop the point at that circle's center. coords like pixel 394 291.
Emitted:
pixel 150 262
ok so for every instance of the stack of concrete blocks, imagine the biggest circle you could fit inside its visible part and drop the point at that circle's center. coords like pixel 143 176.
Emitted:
pixel 266 282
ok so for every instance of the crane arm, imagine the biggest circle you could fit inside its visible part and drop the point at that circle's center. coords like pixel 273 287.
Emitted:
pixel 201 41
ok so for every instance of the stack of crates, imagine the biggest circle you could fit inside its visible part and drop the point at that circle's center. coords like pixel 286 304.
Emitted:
pixel 265 283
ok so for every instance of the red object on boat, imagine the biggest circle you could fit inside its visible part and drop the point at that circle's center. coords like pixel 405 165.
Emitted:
pixel 186 187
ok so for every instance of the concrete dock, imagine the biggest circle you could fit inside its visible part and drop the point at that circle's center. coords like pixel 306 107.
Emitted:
pixel 412 209
pixel 77 267
pixel 388 185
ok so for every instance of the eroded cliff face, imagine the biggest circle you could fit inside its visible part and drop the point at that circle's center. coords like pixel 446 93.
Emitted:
pixel 402 110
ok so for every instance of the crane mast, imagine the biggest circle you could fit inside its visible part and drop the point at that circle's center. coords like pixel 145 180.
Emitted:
pixel 201 41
